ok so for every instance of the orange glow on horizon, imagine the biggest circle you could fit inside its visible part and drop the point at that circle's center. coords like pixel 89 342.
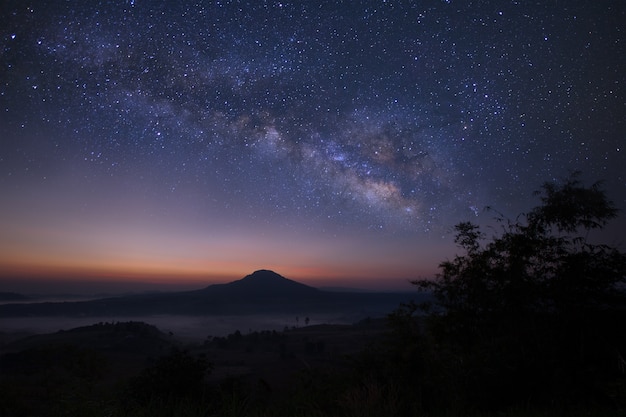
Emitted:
pixel 176 271
pixel 121 244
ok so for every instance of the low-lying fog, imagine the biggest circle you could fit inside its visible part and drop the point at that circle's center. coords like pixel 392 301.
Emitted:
pixel 187 328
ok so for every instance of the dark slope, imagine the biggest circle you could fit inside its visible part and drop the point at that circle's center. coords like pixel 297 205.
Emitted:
pixel 129 337
pixel 261 292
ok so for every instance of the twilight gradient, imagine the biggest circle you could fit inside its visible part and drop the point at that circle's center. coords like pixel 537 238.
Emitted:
pixel 334 142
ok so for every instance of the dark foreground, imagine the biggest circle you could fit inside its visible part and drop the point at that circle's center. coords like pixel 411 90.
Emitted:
pixel 133 369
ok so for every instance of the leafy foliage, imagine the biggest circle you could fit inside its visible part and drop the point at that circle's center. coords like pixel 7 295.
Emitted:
pixel 538 312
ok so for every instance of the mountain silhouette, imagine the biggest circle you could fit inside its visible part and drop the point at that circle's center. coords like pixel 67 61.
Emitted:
pixel 264 283
pixel 264 279
pixel 263 291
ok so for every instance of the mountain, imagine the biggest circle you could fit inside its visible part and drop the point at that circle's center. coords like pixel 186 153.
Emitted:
pixel 262 284
pixel 261 292
pixel 268 282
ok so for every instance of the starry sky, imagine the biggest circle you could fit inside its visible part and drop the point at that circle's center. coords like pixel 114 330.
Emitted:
pixel 337 143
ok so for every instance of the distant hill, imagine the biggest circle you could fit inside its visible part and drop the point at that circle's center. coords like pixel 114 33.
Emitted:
pixel 260 292
pixel 130 337
pixel 13 296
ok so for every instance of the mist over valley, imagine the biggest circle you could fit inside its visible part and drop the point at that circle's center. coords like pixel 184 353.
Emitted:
pixel 263 300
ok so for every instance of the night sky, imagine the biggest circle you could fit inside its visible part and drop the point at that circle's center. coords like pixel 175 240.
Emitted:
pixel 336 143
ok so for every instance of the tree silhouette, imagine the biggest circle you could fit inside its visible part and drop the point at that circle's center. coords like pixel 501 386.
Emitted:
pixel 537 313
pixel 543 264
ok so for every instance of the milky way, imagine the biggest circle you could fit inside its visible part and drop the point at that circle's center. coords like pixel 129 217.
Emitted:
pixel 330 118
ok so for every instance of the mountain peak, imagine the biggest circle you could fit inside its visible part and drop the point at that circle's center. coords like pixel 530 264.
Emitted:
pixel 263 274
pixel 266 281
